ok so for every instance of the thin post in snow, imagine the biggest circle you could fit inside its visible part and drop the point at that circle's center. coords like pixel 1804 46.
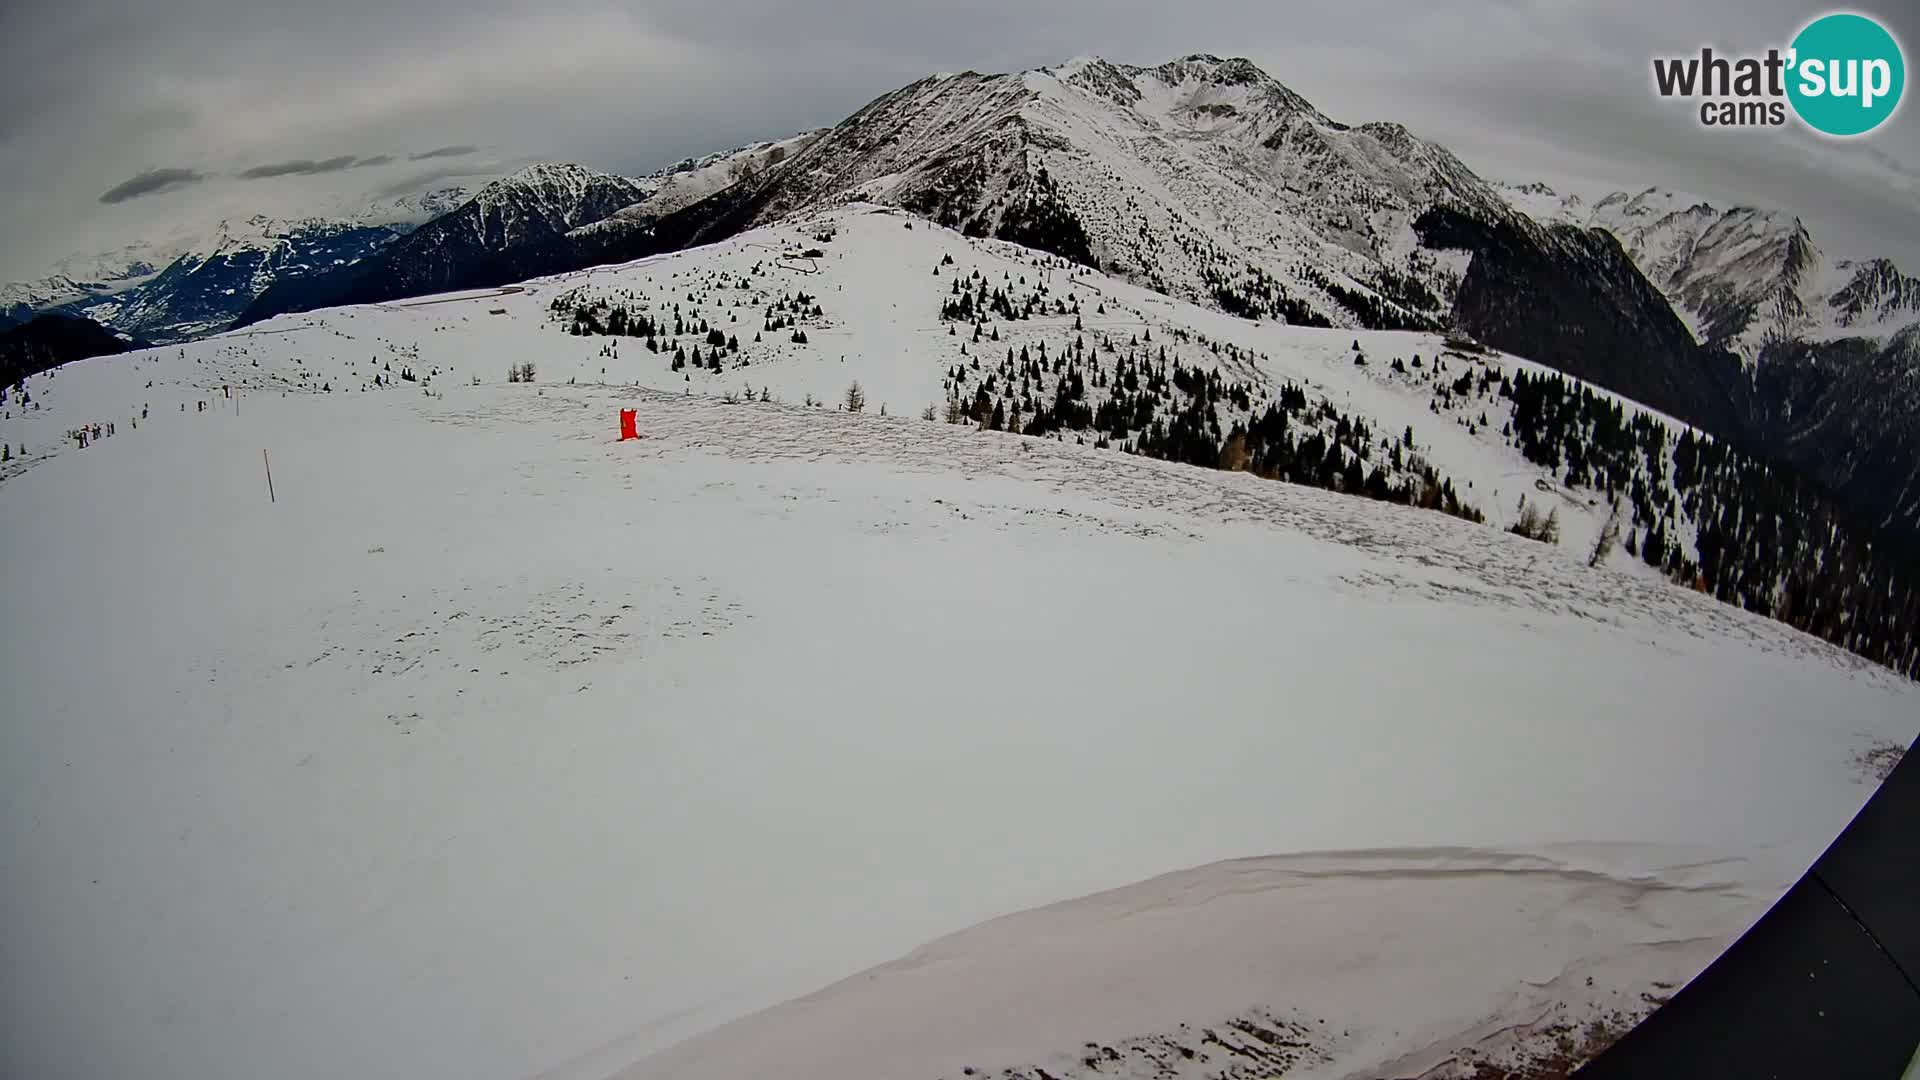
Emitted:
pixel 269 467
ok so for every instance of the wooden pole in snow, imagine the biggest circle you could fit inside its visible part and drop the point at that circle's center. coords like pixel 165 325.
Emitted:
pixel 269 466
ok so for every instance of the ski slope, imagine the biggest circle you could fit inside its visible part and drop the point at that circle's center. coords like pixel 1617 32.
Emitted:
pixel 492 747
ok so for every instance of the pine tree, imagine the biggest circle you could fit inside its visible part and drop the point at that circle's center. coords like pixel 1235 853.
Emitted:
pixel 1234 455
pixel 856 398
pixel 1609 536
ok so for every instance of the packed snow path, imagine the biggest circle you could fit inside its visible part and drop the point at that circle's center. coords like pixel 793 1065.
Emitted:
pixel 496 747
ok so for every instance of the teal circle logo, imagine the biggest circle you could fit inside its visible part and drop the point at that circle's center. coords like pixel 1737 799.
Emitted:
pixel 1847 74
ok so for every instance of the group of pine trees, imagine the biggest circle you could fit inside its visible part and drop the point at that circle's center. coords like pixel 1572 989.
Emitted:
pixel 1397 301
pixel 974 299
pixel 588 315
pixel 1142 400
pixel 786 313
pixel 1765 538
pixel 1256 294
pixel 1372 311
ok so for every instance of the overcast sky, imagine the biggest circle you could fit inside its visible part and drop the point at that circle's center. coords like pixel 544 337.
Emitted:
pixel 126 118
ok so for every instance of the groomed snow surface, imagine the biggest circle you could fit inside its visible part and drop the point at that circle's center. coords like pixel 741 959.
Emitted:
pixel 496 748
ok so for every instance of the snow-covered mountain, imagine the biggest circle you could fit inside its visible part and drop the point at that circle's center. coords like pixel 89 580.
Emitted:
pixel 406 212
pixel 579 731
pixel 512 228
pixel 1745 277
pixel 1203 178
pixel 544 219
pixel 21 300
pixel 196 279
pixel 542 200
pixel 205 290
pixel 690 180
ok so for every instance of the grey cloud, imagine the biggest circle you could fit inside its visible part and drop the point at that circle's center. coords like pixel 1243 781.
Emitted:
pixel 1891 163
pixel 151 182
pixel 421 181
pixel 297 167
pixel 444 151
pixel 377 159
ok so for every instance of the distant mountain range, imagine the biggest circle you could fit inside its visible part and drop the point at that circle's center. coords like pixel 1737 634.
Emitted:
pixel 1206 179
pixel 198 282
pixel 544 219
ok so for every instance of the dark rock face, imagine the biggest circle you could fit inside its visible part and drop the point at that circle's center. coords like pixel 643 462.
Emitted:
pixel 1570 298
pixel 1847 413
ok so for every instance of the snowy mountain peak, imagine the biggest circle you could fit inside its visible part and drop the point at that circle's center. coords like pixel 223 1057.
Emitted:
pixel 542 177
pixel 564 195
pixel 1195 90
pixel 1201 176
pixel 542 173
pixel 1235 71
pixel 414 208
pixel 1875 291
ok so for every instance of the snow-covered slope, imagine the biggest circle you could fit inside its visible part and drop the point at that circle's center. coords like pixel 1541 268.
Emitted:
pixel 492 747
pixel 867 287
pixel 1154 981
